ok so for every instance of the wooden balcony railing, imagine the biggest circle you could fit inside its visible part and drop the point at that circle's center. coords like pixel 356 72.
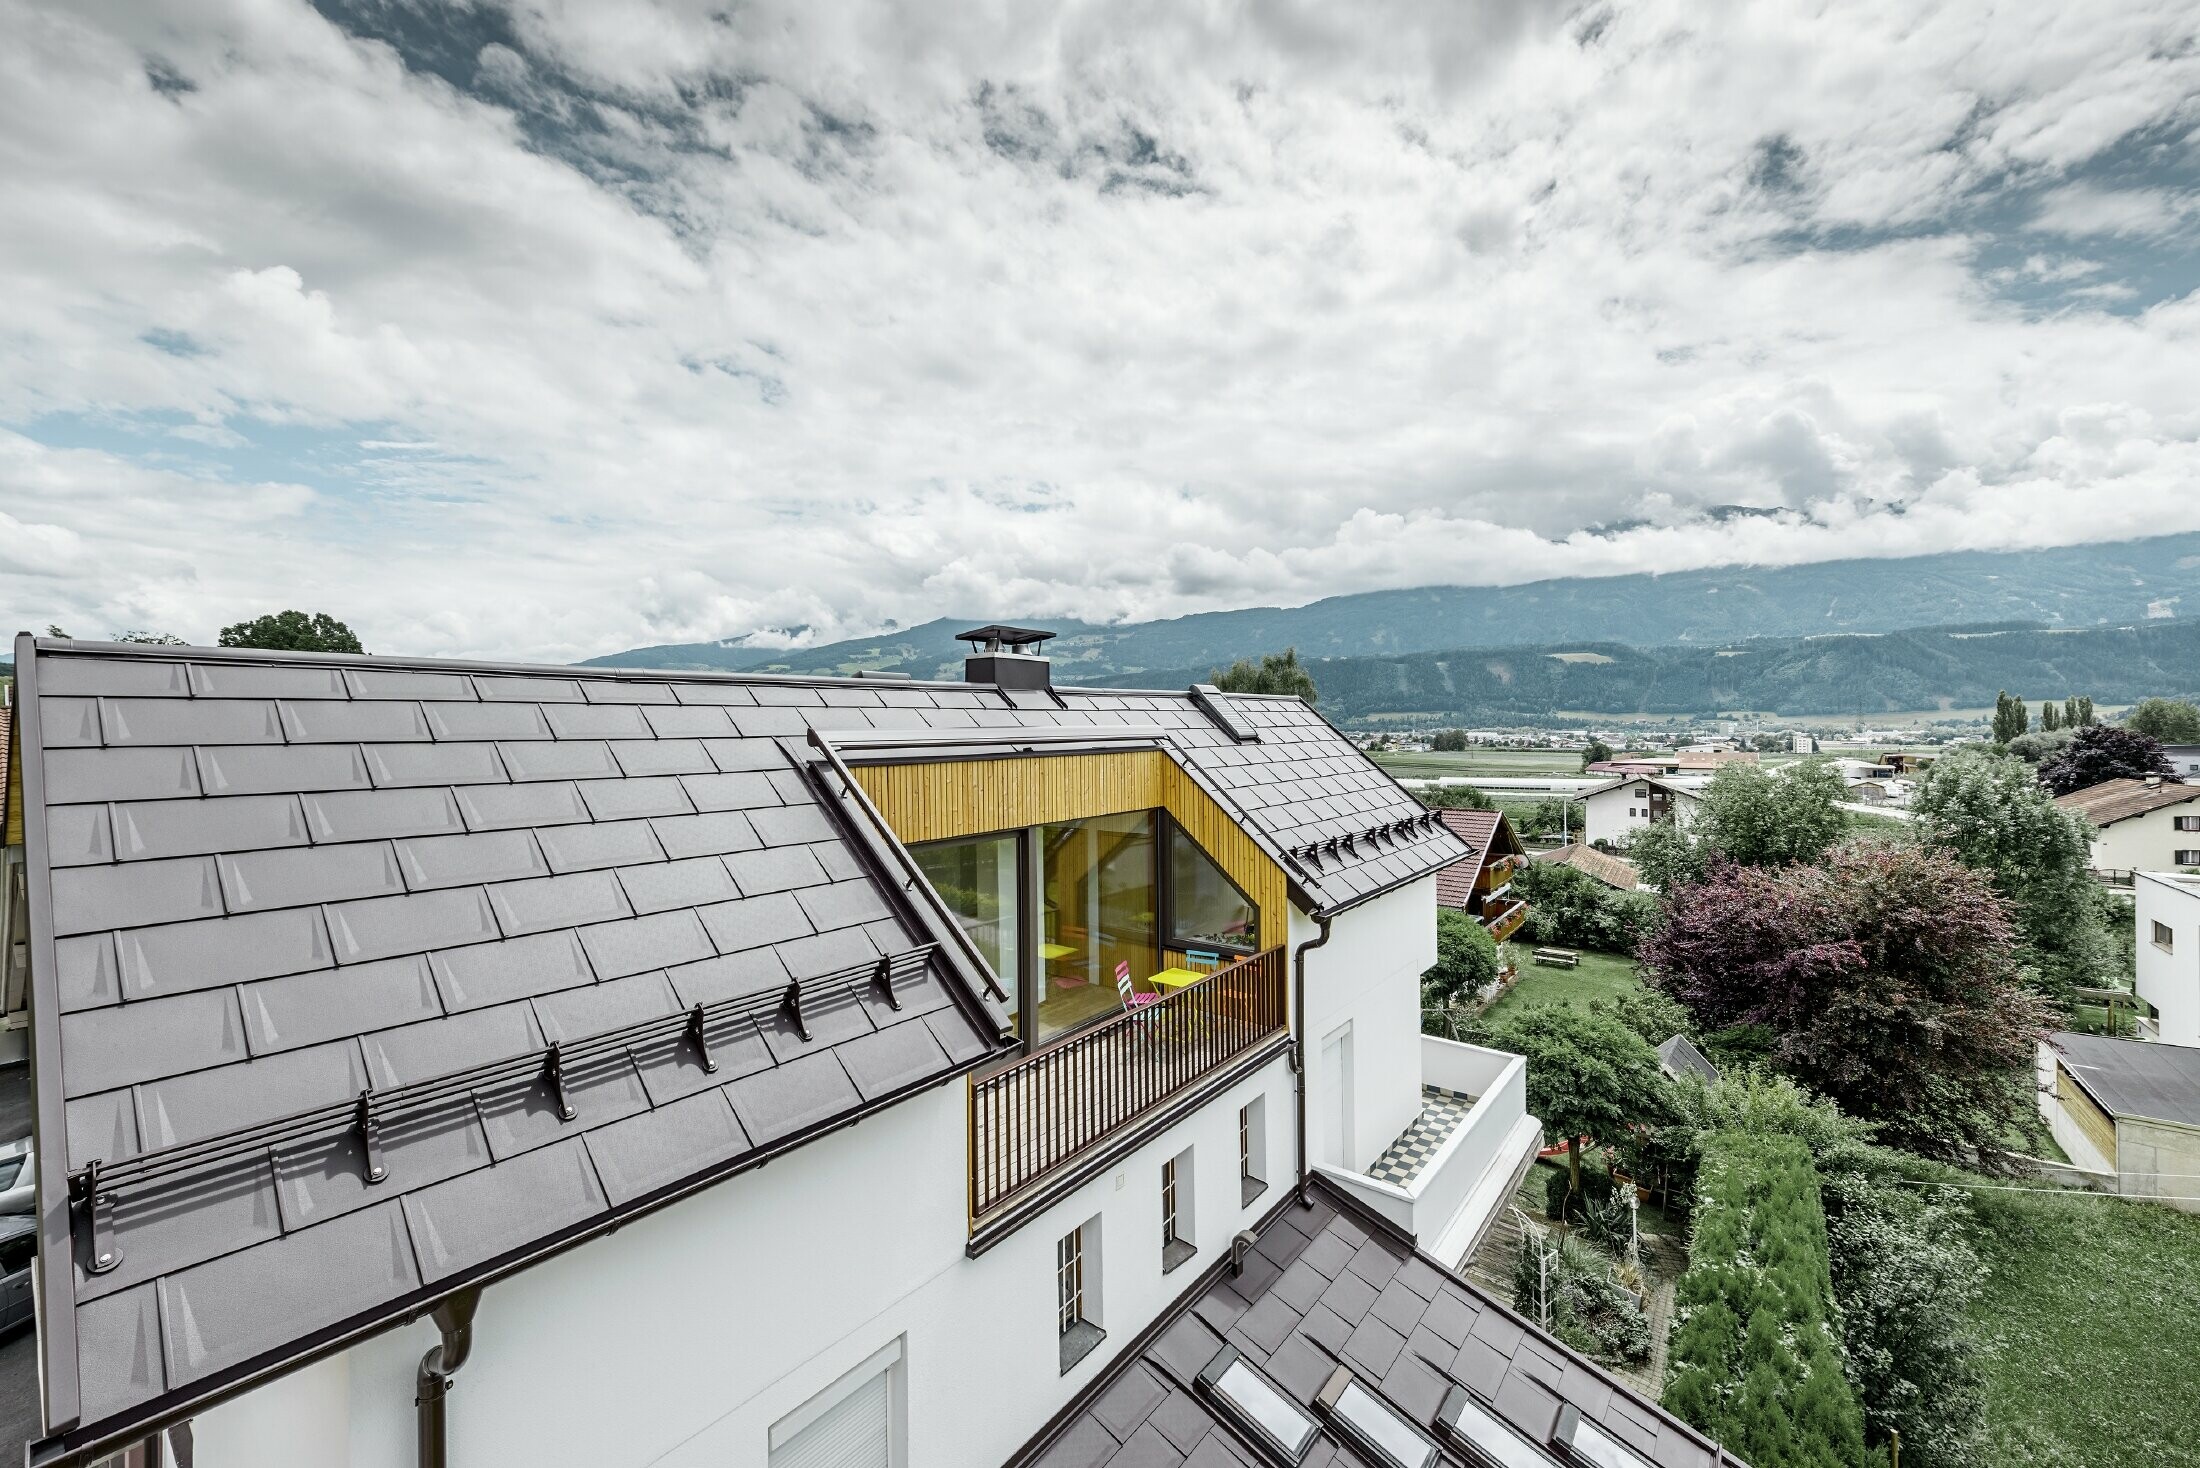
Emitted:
pixel 1047 1109
pixel 1499 872
pixel 1502 916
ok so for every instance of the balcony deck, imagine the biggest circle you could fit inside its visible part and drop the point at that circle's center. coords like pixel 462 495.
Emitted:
pixel 1034 1119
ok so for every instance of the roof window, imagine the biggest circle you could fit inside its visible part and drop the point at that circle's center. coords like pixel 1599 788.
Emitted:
pixel 1487 1441
pixel 1256 1404
pixel 1372 1427
pixel 1587 1443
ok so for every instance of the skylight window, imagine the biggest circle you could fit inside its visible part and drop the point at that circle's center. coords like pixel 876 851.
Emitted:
pixel 1487 1441
pixel 1258 1405
pixel 1588 1444
pixel 1371 1426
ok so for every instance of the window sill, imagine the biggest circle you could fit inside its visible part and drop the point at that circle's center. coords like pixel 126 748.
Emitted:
pixel 1078 1341
pixel 1173 1253
pixel 1250 1188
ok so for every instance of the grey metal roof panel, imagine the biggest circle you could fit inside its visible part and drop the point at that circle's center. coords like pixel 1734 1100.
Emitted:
pixel 714 834
pixel 374 815
pixel 731 976
pixel 116 677
pixel 744 791
pixel 143 1042
pixel 265 680
pixel 752 921
pixel 657 941
pixel 205 1103
pixel 118 1343
pixel 737 755
pixel 236 1213
pixel 256 769
pixel 774 869
pixel 75 776
pixel 172 721
pixel 69 723
pixel 842 904
pixel 178 957
pixel 777 1102
pixel 254 880
pixel 429 862
pixel 87 971
pixel 77 835
pixel 792 825
pixel 399 683
pixel 383 927
pixel 558 759
pixel 764 723
pixel 323 1180
pixel 331 1004
pixel 723 693
pixel 436 1047
pixel 688 721
pixel 343 721
pixel 814 957
pixel 596 1091
pixel 464 721
pixel 695 882
pixel 502 807
pixel 595 1008
pixel 87 898
pixel 472 1219
pixel 596 721
pixel 604 844
pixel 103 1126
pixel 522 689
pixel 401 765
pixel 886 1060
pixel 661 757
pixel 542 903
pixel 661 1147
pixel 599 690
pixel 518 968
pixel 637 798
pixel 236 1307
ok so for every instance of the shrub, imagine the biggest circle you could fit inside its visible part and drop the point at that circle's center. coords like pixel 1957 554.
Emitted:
pixel 1755 1359
pixel 1596 1187
pixel 1654 1016
pixel 1466 959
pixel 1570 908
pixel 1905 1278
pixel 1571 1288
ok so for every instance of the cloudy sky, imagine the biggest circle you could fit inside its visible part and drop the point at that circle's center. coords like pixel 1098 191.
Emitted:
pixel 546 328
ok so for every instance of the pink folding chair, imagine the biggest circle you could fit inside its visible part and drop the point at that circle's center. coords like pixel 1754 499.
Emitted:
pixel 1132 999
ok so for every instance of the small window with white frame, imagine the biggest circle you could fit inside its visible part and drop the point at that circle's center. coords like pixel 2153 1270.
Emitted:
pixel 2164 938
pixel 2189 858
pixel 1077 1292
pixel 1177 1230
pixel 1252 1150
pixel 2188 823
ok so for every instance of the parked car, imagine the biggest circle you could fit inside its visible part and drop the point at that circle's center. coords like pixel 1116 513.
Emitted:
pixel 18 1252
pixel 18 1177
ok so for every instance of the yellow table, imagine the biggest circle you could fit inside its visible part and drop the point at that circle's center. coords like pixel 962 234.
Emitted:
pixel 1051 951
pixel 1169 980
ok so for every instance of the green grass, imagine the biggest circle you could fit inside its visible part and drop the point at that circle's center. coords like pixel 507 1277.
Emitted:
pixel 1601 976
pixel 2092 1332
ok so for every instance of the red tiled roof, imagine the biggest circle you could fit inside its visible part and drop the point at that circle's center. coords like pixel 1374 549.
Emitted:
pixel 2119 800
pixel 1478 829
pixel 1611 870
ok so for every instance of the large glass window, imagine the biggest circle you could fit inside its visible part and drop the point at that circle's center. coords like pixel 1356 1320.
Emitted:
pixel 1206 910
pixel 1098 901
pixel 977 879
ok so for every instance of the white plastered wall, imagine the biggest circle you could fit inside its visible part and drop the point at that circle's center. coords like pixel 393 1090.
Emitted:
pixel 680 1339
pixel 2169 979
pixel 2147 843
pixel 1368 975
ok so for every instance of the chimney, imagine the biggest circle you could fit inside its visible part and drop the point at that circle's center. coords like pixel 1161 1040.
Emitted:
pixel 2154 782
pixel 1006 657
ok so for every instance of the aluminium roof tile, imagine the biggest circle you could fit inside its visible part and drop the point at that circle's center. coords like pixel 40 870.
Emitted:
pixel 116 677
pixel 472 1219
pixel 382 927
pixel 686 721
pixel 399 683
pixel 768 722
pixel 638 798
pixel 657 941
pixel 331 1004
pixel 103 1126
pixel 542 903
pixel 731 976
pixel 255 880
pixel 81 834
pixel 266 769
pixel 750 922
pixel 774 869
pixel 603 844
pixel 329 721
pixel 69 723
pixel 773 1104
pixel 87 971
pixel 419 1052
pixel 694 882
pixel 398 765
pixel 575 1014
pixel 643 1153
pixel 597 1090
pixel 325 1179
pixel 502 807
pixel 265 680
pixel 718 693
pixel 143 1042
pixel 491 687
pixel 743 791
pixel 374 815
pixel 177 957
pixel 204 1103
pixel 499 721
pixel 639 757
pixel 238 1211
pixel 559 759
pixel 87 899
pixel 517 968
pixel 119 1348
pixel 74 776
pixel 596 721
pixel 456 861
pixel 716 833
pixel 734 756
pixel 599 690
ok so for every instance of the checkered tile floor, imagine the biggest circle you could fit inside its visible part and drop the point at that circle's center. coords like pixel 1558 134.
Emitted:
pixel 1441 1113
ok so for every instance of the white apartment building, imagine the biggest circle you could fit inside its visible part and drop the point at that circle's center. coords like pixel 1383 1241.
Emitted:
pixel 1613 812
pixel 468 1065
pixel 2166 909
pixel 2140 825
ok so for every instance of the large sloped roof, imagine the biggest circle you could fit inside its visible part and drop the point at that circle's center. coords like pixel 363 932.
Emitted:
pixel 314 919
pixel 1612 871
pixel 1330 1286
pixel 1477 830
pixel 2119 800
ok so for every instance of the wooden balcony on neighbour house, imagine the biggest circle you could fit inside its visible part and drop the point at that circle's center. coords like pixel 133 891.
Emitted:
pixel 1043 1118
pixel 1501 917
pixel 1498 874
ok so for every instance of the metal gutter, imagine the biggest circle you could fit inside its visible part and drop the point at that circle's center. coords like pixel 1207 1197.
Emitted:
pixel 56 1292
pixel 1298 1043
pixel 82 1448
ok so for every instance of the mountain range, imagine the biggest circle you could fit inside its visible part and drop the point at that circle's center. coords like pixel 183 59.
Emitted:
pixel 2113 584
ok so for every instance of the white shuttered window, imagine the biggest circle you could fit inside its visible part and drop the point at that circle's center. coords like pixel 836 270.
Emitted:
pixel 852 1430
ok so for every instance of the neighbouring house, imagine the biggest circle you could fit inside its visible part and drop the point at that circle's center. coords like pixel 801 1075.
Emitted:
pixel 2130 1108
pixel 1679 1057
pixel 2141 825
pixel 1707 759
pixel 1613 812
pixel 1613 871
pixel 1630 765
pixel 1480 884
pixel 2166 911
pixel 411 1039
pixel 2184 758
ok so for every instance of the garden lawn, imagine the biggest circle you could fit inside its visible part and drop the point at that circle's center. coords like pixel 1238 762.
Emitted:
pixel 1601 976
pixel 2092 1331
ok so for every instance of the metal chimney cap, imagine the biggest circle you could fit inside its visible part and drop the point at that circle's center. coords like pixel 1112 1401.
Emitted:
pixel 995 635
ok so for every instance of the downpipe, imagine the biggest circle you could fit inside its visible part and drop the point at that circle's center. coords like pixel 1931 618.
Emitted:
pixel 455 1318
pixel 1298 1045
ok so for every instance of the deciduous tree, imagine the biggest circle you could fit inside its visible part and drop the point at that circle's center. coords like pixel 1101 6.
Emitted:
pixel 2169 720
pixel 293 632
pixel 1885 977
pixel 1588 1076
pixel 2104 752
pixel 1751 816
pixel 1597 752
pixel 1274 673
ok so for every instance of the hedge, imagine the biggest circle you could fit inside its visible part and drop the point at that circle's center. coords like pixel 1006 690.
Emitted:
pixel 1756 1356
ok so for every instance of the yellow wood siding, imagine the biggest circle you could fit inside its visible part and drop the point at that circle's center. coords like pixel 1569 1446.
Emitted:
pixel 937 799
pixel 2098 1126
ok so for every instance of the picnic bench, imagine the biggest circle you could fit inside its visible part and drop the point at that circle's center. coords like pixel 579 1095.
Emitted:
pixel 1558 958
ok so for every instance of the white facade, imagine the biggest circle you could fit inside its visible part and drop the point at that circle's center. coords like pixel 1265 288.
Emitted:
pixel 701 1335
pixel 2166 908
pixel 2185 758
pixel 1614 814
pixel 2164 839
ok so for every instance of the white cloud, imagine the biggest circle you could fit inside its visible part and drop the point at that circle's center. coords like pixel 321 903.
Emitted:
pixel 673 323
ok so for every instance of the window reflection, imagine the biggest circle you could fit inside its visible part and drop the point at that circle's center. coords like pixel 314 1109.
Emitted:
pixel 976 878
pixel 1097 894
